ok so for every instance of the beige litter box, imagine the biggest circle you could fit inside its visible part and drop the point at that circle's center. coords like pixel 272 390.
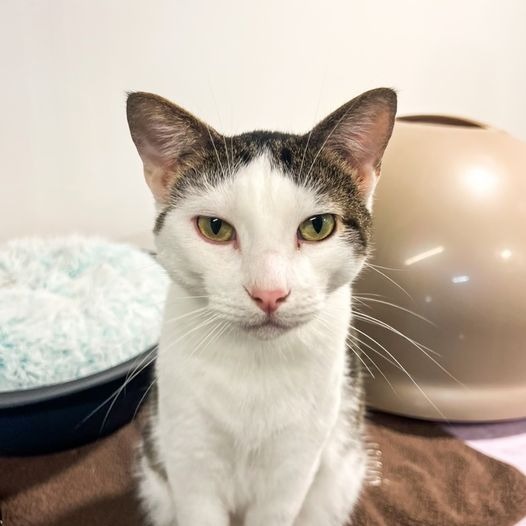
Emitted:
pixel 450 229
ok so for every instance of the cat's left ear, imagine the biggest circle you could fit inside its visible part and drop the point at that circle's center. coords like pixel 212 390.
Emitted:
pixel 357 134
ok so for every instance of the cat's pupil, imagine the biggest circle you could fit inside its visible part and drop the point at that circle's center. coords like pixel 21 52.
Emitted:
pixel 215 225
pixel 317 223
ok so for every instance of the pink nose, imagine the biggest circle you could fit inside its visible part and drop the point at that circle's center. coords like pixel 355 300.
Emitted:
pixel 269 300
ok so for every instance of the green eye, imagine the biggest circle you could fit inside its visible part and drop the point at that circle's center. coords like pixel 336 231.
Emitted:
pixel 317 227
pixel 215 229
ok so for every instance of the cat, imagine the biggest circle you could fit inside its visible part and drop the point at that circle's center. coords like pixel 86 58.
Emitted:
pixel 256 418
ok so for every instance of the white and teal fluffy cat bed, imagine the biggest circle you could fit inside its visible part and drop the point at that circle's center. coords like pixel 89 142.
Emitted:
pixel 74 306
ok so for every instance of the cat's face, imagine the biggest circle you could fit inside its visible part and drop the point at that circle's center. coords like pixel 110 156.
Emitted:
pixel 266 226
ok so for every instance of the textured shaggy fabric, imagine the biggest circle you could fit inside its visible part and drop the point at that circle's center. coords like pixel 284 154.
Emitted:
pixel 73 306
pixel 429 479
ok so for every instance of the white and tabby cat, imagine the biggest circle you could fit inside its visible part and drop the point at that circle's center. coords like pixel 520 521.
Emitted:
pixel 257 415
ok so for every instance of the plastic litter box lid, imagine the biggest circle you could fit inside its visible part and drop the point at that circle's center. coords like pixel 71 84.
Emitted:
pixel 450 229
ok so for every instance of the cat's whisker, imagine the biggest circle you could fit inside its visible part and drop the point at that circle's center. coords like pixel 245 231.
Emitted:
pixel 358 351
pixel 360 343
pixel 375 321
pixel 131 372
pixel 304 154
pixel 116 393
pixel 129 377
pixel 376 351
pixel 195 312
pixel 388 303
pixel 143 397
pixel 228 160
pixel 310 132
pixel 208 337
pixel 367 295
pixel 154 347
pixel 357 354
pixel 122 388
pixel 216 152
pixel 226 325
pixel 390 279
pixel 413 381
pixel 210 319
pixel 422 348
pixel 387 268
pixel 389 383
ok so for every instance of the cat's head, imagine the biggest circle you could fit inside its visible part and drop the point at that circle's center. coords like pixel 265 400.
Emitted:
pixel 265 225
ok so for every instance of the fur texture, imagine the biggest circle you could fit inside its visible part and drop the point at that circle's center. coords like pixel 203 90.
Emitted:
pixel 256 419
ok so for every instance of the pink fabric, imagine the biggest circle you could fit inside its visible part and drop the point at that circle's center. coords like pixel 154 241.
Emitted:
pixel 504 441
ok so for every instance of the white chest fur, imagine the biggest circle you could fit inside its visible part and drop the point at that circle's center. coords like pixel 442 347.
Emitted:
pixel 235 409
pixel 248 387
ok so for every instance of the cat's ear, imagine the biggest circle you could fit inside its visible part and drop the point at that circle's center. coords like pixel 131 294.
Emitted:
pixel 357 134
pixel 168 139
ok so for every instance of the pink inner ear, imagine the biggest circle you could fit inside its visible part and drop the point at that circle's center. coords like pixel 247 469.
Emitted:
pixel 363 141
pixel 157 173
pixel 149 154
pixel 366 140
pixel 159 180
pixel 366 179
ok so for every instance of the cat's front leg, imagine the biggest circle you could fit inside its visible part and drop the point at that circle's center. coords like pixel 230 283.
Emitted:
pixel 196 493
pixel 202 510
pixel 198 479
pixel 284 479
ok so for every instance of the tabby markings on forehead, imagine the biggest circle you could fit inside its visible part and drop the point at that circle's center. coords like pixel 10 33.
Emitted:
pixel 293 155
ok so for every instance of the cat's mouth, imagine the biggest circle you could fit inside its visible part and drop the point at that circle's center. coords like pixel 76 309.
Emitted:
pixel 269 328
pixel 268 323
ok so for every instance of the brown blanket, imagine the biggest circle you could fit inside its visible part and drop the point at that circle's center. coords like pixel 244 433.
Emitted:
pixel 429 479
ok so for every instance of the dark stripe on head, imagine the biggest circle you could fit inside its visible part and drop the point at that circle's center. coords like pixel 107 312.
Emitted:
pixel 159 221
pixel 295 156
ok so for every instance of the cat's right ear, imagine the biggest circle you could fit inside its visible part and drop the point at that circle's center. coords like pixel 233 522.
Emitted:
pixel 168 139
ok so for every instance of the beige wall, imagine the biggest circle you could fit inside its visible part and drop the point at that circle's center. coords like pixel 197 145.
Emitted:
pixel 67 161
